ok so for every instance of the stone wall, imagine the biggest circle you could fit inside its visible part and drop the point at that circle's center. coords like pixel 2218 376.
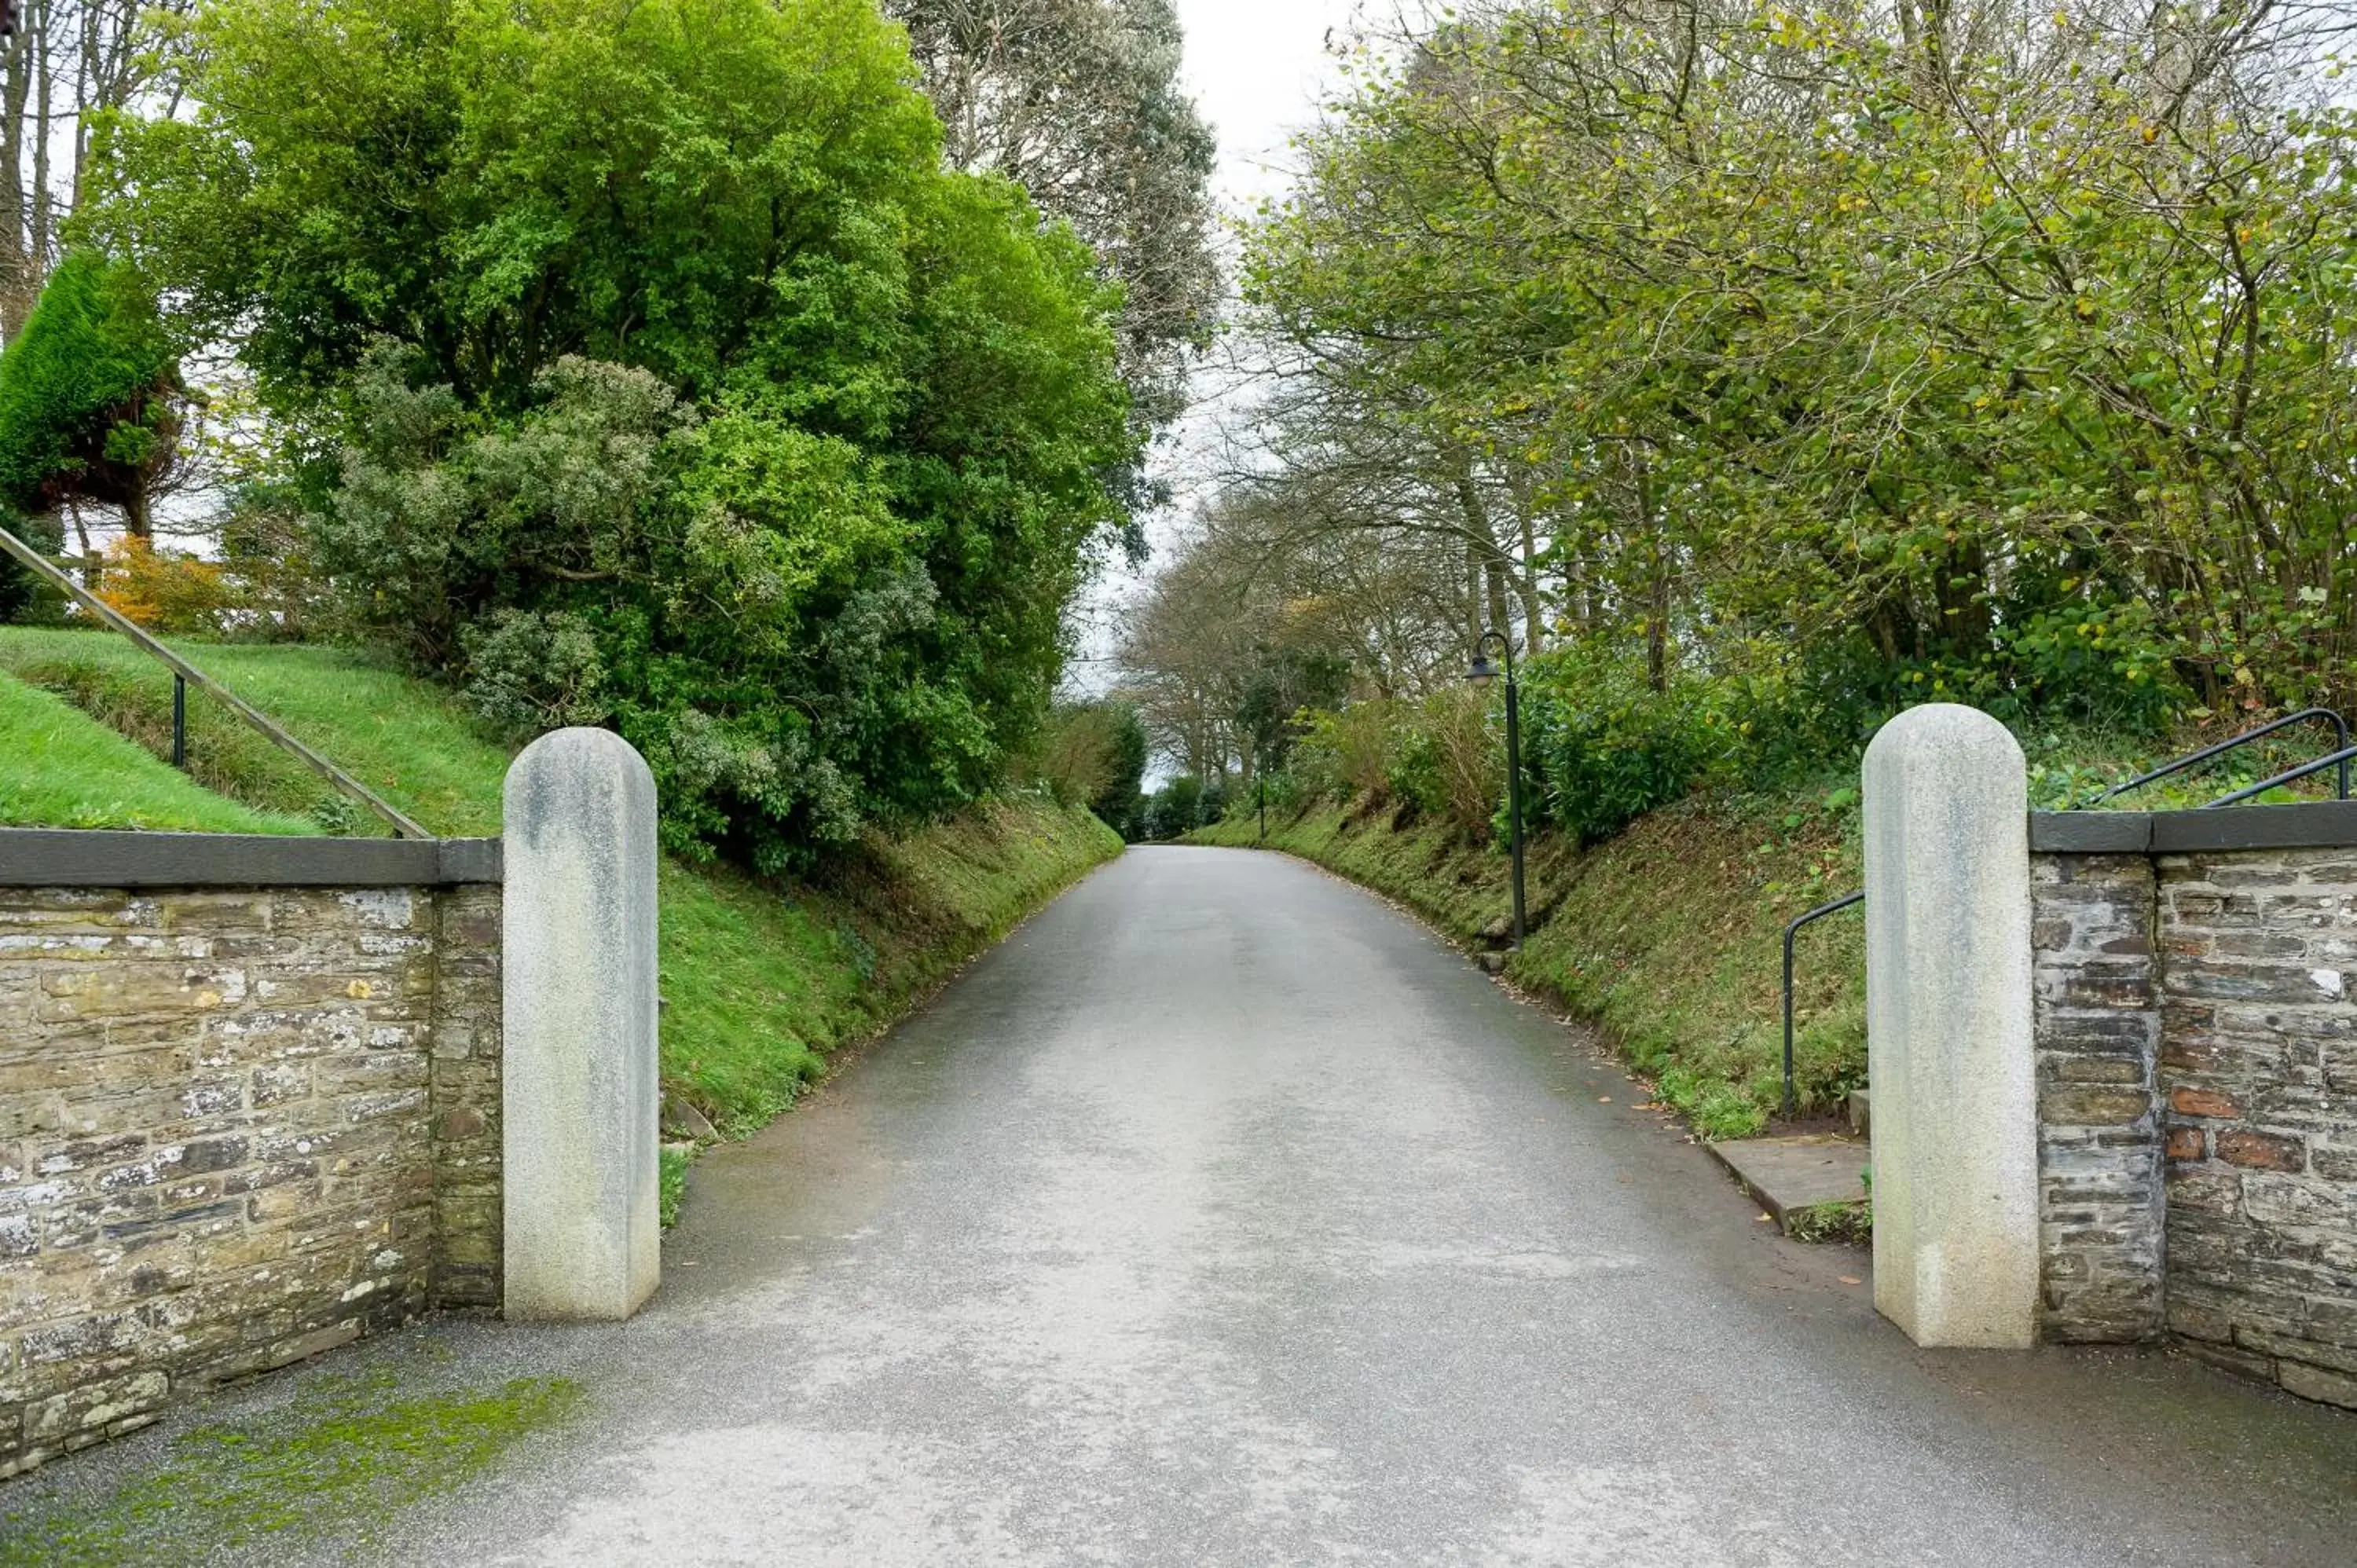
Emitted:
pixel 2097 1013
pixel 2258 1070
pixel 238 1126
pixel 2197 1056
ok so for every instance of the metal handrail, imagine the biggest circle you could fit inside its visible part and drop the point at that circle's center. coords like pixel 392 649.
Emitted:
pixel 184 670
pixel 1791 930
pixel 2195 758
pixel 2341 757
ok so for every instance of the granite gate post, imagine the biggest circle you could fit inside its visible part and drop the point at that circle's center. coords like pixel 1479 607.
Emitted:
pixel 1949 1042
pixel 582 1237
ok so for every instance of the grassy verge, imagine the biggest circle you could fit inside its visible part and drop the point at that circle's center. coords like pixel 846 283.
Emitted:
pixel 404 738
pixel 760 979
pixel 59 769
pixel 1670 936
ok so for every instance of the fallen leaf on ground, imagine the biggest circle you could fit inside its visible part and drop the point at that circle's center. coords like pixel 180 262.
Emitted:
pixel 1851 1279
pixel 1603 1100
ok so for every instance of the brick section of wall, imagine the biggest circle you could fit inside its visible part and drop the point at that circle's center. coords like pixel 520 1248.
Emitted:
pixel 2099 1146
pixel 237 1127
pixel 2258 1069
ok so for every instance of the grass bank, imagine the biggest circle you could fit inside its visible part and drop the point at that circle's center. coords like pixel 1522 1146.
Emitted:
pixel 57 769
pixel 761 979
pixel 1669 936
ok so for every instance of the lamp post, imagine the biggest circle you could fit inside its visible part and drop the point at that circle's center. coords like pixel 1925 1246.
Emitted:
pixel 1481 674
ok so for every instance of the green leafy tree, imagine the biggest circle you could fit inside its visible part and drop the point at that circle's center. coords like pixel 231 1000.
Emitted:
pixel 664 327
pixel 92 400
pixel 1117 801
pixel 1950 351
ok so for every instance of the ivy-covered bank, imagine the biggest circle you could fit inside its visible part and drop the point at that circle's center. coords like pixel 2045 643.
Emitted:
pixel 1668 935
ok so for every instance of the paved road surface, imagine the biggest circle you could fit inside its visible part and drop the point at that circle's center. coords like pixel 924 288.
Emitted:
pixel 1223 1217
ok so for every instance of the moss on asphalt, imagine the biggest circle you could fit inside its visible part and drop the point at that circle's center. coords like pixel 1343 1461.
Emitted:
pixel 334 1462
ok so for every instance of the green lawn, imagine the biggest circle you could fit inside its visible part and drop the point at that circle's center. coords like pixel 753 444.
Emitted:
pixel 760 979
pixel 404 738
pixel 60 769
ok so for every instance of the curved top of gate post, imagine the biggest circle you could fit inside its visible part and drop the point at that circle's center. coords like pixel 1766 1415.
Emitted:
pixel 574 766
pixel 1933 730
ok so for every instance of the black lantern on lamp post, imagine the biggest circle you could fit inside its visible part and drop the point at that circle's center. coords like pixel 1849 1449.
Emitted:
pixel 1481 674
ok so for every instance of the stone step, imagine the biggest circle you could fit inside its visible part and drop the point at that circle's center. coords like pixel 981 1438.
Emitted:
pixel 1785 1175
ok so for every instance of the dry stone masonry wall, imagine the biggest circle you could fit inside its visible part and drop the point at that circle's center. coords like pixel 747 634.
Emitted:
pixel 2099 1149
pixel 237 1126
pixel 2197 1058
pixel 2258 1070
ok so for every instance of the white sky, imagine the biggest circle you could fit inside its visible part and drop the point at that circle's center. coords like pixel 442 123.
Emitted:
pixel 1257 68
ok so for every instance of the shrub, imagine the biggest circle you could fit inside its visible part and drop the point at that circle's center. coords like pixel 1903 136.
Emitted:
pixel 164 590
pixel 1604 746
pixel 20 591
pixel 1175 809
pixel 530 671
pixel 90 396
pixel 1468 756
pixel 1412 764
pixel 1347 754
pixel 1093 753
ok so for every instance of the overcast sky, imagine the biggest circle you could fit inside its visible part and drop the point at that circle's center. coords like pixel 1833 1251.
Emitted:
pixel 1257 68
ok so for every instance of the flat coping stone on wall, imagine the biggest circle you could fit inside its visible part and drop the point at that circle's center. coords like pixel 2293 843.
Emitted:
pixel 1949 1029
pixel 92 857
pixel 2304 825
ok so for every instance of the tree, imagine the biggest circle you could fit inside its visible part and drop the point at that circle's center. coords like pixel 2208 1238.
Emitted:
pixel 1077 102
pixel 1126 754
pixel 92 401
pixel 660 332
pixel 1984 350
pixel 68 64
pixel 1225 648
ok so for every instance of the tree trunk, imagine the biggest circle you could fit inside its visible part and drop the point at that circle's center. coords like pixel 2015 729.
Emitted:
pixel 44 78
pixel 1657 610
pixel 1500 616
pixel 1527 587
pixel 1472 593
pixel 16 274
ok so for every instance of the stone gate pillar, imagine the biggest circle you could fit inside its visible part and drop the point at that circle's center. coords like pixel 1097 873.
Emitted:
pixel 1948 1029
pixel 583 1236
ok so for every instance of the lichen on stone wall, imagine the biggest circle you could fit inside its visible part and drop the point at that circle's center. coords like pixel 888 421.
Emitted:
pixel 237 1127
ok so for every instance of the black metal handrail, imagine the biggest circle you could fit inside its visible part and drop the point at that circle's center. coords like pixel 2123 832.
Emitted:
pixel 2195 758
pixel 2341 756
pixel 183 673
pixel 1791 930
